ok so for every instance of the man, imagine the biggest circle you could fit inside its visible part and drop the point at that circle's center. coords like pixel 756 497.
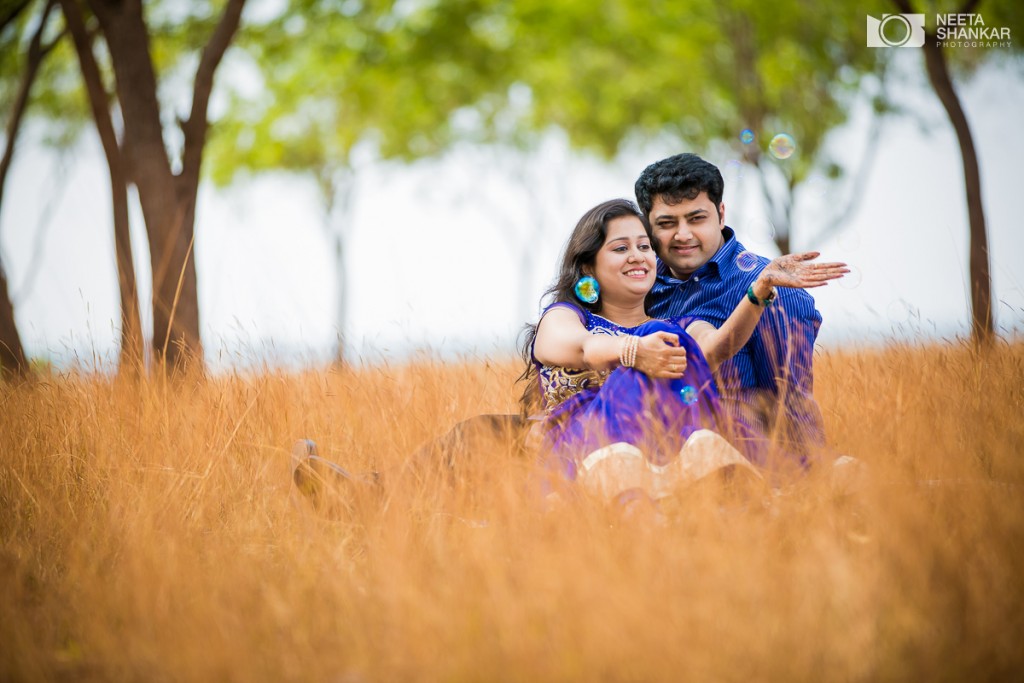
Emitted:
pixel 767 388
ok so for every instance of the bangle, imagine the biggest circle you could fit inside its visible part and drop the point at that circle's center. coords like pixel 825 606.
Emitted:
pixel 752 298
pixel 627 354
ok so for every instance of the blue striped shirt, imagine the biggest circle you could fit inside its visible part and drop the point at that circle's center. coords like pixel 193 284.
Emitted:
pixel 768 386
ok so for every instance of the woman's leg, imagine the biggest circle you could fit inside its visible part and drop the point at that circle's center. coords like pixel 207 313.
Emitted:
pixel 609 471
pixel 709 459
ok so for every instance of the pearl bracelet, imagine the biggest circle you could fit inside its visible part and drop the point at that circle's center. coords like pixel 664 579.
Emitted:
pixel 627 354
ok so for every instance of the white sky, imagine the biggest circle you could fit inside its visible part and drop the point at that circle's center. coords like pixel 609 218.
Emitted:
pixel 432 261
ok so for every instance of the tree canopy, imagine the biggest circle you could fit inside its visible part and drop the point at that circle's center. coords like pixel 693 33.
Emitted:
pixel 412 78
pixel 313 81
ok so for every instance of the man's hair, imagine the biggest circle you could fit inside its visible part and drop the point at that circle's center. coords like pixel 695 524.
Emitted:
pixel 683 176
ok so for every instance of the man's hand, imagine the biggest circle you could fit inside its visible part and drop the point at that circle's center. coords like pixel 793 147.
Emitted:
pixel 794 270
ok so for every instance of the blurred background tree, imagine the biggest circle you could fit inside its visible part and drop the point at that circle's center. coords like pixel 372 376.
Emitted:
pixel 337 84
pixel 408 80
pixel 24 48
pixel 167 181
pixel 703 72
pixel 940 62
pixel 326 88
pixel 153 135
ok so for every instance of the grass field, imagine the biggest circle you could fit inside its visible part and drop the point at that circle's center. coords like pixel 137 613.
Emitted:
pixel 150 532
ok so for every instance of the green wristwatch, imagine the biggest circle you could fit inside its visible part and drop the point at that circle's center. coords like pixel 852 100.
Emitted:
pixel 759 302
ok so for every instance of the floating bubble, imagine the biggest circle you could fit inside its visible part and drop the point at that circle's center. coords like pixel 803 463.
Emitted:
pixel 849 240
pixel 746 261
pixel 817 185
pixel 782 146
pixel 852 279
pixel 733 169
pixel 760 230
pixel 746 136
pixel 688 394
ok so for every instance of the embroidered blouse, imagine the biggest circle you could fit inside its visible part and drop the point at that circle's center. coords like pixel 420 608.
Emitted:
pixel 558 384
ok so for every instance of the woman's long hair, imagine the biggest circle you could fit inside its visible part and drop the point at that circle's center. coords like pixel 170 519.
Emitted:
pixel 586 240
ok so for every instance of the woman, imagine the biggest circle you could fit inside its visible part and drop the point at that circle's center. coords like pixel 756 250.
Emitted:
pixel 624 403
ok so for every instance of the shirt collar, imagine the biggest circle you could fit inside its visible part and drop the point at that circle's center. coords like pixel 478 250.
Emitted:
pixel 725 254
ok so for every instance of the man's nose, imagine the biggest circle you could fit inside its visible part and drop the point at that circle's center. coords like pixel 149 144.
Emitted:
pixel 683 232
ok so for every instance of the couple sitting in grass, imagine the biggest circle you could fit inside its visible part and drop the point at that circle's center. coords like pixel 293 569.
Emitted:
pixel 622 395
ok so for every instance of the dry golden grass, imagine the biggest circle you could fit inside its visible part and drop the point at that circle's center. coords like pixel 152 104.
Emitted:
pixel 150 532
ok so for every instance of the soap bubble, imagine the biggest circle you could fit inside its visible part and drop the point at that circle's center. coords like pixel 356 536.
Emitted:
pixel 852 279
pixel 817 185
pixel 746 136
pixel 733 170
pixel 782 146
pixel 746 261
pixel 688 394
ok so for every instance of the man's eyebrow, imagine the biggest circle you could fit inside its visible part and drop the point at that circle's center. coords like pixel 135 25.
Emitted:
pixel 689 214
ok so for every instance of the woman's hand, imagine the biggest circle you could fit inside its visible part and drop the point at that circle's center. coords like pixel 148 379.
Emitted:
pixel 660 356
pixel 794 270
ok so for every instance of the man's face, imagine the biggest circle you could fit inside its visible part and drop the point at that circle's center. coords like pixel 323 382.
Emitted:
pixel 688 234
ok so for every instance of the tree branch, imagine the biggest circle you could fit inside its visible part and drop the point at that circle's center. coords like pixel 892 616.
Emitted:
pixel 12 13
pixel 36 53
pixel 856 194
pixel 195 128
pixel 766 190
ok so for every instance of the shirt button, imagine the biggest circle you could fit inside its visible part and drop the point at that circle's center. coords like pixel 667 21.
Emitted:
pixel 696 278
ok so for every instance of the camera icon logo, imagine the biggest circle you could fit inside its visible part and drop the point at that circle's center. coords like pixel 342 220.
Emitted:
pixel 896 30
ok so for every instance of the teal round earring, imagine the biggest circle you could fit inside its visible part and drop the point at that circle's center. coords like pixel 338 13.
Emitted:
pixel 587 290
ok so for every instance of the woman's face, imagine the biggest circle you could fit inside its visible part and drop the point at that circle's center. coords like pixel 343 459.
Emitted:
pixel 625 266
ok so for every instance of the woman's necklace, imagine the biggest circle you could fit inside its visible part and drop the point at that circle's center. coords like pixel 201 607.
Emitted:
pixel 629 327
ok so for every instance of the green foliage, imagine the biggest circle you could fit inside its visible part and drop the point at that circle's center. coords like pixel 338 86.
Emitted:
pixel 408 80
pixel 178 33
pixel 303 87
pixel 57 95
pixel 413 78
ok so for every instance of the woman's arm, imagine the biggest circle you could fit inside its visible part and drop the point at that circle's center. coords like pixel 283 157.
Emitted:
pixel 791 270
pixel 563 340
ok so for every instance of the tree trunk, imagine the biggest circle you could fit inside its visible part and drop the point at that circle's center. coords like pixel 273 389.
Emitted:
pixel 12 355
pixel 131 324
pixel 341 287
pixel 175 314
pixel 168 201
pixel 982 325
